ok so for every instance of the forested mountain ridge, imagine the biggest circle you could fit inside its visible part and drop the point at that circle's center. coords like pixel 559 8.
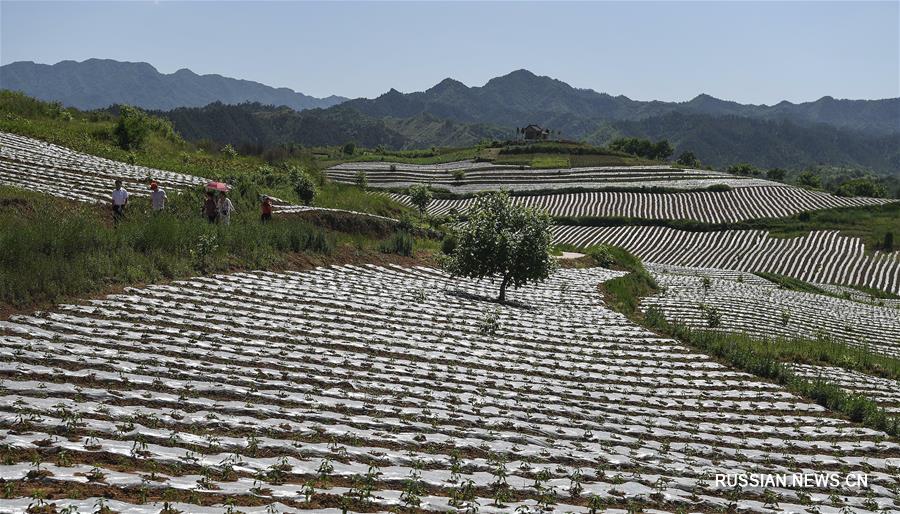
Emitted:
pixel 99 83
pixel 523 97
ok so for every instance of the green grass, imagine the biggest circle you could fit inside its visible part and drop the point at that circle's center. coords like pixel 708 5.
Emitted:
pixel 550 161
pixel 52 249
pixel 793 284
pixel 623 294
pixel 568 161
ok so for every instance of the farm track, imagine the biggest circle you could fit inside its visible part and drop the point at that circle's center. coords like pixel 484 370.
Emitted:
pixel 824 257
pixel 214 393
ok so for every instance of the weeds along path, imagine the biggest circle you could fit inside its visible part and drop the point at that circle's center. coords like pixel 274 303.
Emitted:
pixel 47 168
pixel 372 388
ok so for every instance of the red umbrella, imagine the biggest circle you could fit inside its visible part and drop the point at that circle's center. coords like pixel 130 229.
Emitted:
pixel 218 186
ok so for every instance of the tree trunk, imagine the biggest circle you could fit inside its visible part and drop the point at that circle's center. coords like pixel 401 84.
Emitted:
pixel 503 285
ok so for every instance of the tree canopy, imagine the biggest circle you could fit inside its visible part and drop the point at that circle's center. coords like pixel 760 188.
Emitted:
pixel 420 196
pixel 503 240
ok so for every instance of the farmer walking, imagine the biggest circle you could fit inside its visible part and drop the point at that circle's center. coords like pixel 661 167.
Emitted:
pixel 266 209
pixel 119 201
pixel 210 209
pixel 225 208
pixel 157 197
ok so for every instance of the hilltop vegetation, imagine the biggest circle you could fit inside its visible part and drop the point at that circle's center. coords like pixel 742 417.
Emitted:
pixel 99 83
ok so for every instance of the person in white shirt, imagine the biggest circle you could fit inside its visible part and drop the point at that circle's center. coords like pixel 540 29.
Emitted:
pixel 157 197
pixel 225 208
pixel 119 201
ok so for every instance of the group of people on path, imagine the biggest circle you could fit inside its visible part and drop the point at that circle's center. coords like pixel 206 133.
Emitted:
pixel 120 199
pixel 216 208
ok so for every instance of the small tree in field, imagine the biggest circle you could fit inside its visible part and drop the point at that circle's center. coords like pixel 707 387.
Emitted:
pixel 304 186
pixel 420 196
pixel 132 128
pixel 505 240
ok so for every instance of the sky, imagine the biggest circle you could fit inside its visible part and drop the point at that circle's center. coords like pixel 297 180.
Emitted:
pixel 751 52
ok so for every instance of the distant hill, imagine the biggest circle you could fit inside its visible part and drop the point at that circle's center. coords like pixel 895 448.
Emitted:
pixel 266 125
pixel 522 97
pixel 724 140
pixel 98 83
pixel 716 140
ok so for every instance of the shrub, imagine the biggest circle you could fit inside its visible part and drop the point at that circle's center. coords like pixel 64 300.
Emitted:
pixel 132 128
pixel 448 244
pixel 688 159
pixel 459 175
pixel 349 148
pixel 305 188
pixel 743 169
pixel 777 174
pixel 229 151
pixel 861 187
pixel 809 179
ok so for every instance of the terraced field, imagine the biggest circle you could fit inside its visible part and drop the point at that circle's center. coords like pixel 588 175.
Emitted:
pixel 821 256
pixel 387 387
pixel 761 308
pixel 38 166
pixel 739 204
pixel 46 168
pixel 471 176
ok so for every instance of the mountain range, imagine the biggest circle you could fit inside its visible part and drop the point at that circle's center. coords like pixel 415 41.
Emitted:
pixel 523 97
pixel 99 83
pixel 828 131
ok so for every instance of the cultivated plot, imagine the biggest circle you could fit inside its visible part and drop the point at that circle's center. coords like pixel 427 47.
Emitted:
pixel 471 176
pixel 824 257
pixel 393 386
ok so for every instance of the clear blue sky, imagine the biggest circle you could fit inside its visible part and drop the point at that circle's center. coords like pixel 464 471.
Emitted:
pixel 752 52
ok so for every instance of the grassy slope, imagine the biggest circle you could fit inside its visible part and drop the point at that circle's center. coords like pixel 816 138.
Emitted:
pixel 92 133
pixel 52 249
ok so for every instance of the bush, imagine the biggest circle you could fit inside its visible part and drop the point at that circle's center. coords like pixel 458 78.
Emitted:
pixel 660 150
pixel 809 179
pixel 743 169
pixel 132 128
pixel 861 187
pixel 776 174
pixel 349 148
pixel 688 159
pixel 304 187
pixel 449 243
pixel 229 151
